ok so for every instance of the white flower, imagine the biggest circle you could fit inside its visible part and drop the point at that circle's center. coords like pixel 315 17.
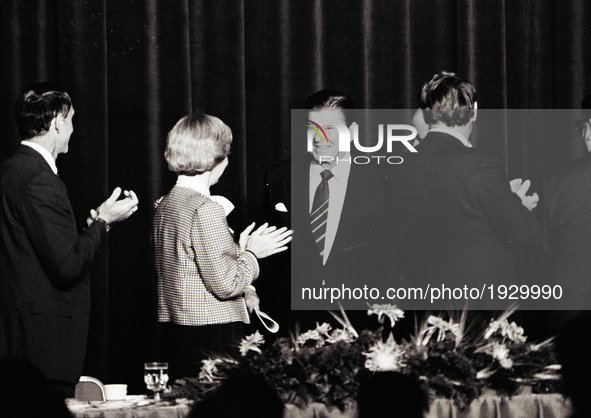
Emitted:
pixel 391 311
pixel 439 326
pixel 209 369
pixel 499 352
pixel 251 342
pixel 323 329
pixel 312 335
pixel 512 331
pixel 506 363
pixel 491 329
pixel 386 356
pixel 340 335
pixel 319 335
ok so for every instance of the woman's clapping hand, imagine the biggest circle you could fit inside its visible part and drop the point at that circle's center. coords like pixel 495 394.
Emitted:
pixel 265 240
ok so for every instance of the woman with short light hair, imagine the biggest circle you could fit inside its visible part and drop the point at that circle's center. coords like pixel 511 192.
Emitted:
pixel 203 274
pixel 196 144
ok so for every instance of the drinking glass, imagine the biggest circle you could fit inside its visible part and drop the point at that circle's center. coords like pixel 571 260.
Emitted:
pixel 156 377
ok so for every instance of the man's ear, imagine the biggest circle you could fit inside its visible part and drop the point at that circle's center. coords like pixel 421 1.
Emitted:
pixel 59 122
pixel 56 123
pixel 475 112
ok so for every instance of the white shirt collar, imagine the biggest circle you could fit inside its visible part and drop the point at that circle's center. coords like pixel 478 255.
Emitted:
pixel 340 171
pixel 44 153
pixel 192 182
pixel 195 183
pixel 453 133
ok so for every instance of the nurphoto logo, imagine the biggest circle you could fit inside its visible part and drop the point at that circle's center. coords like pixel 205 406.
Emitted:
pixel 388 133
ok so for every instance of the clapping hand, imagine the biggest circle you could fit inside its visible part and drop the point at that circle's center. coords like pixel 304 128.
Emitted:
pixel 520 188
pixel 245 236
pixel 265 241
pixel 113 210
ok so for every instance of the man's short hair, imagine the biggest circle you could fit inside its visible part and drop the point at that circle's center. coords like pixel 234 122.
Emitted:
pixel 196 144
pixel 447 98
pixel 330 99
pixel 37 106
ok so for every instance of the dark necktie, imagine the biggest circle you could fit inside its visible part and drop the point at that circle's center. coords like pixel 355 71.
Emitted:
pixel 319 214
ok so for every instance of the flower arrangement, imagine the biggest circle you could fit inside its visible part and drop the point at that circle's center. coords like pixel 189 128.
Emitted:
pixel 448 357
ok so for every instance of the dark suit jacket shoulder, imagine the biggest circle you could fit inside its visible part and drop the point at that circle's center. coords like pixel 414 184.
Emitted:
pixel 454 215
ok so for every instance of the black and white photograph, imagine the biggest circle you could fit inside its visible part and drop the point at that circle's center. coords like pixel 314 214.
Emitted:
pixel 295 208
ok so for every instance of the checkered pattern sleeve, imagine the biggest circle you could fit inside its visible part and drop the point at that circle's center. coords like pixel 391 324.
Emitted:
pixel 224 270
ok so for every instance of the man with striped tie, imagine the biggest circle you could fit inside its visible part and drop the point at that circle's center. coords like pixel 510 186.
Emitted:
pixel 336 211
pixel 338 208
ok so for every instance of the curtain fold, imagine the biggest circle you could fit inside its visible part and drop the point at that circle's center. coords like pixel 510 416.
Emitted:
pixel 134 68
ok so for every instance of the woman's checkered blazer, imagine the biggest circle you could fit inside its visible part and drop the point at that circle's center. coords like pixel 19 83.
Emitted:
pixel 201 271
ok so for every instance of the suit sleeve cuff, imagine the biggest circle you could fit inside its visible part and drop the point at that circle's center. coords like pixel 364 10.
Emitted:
pixel 106 225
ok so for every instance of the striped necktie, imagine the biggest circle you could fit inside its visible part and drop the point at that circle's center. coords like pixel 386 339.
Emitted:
pixel 319 214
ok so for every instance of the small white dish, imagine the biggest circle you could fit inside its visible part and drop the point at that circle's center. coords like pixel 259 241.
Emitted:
pixel 115 392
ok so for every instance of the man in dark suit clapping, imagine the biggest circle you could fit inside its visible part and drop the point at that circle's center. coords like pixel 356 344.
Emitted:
pixel 44 291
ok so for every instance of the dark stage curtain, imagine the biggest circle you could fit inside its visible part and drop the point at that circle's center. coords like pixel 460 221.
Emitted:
pixel 133 68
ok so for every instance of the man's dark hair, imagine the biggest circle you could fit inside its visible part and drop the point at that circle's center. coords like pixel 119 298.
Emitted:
pixel 37 106
pixel 330 99
pixel 447 98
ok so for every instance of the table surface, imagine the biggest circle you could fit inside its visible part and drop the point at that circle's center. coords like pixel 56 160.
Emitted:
pixel 522 406
pixel 132 407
